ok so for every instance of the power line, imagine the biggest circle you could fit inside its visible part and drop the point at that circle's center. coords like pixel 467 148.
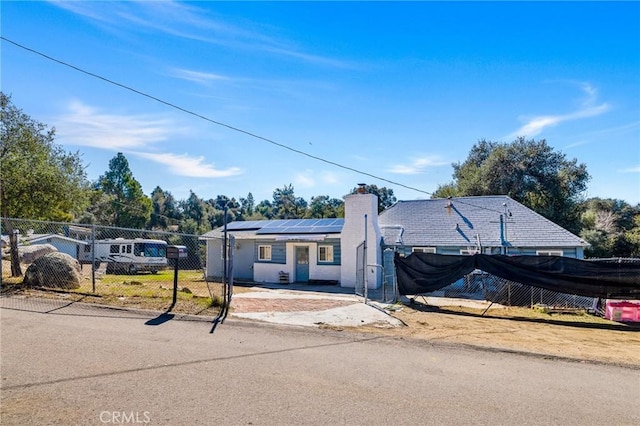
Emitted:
pixel 195 114
pixel 458 200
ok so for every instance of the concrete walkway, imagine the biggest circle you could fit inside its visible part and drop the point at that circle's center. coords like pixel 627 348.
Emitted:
pixel 308 305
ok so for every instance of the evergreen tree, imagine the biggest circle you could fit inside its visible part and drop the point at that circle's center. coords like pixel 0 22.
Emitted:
pixel 129 207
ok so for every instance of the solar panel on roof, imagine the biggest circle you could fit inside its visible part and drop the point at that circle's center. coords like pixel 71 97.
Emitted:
pixel 304 227
pixel 332 228
pixel 236 225
pixel 240 225
pixel 289 226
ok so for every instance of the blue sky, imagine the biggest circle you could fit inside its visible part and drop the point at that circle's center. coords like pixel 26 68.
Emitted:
pixel 397 90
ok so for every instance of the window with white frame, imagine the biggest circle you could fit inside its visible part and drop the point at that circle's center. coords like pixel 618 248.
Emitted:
pixel 325 253
pixel 264 252
pixel 549 253
pixel 423 250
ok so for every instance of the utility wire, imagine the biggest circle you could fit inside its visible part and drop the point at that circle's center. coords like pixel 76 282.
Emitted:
pixel 195 114
pixel 459 200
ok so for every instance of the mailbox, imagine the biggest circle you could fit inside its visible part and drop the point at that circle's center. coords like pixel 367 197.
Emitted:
pixel 176 252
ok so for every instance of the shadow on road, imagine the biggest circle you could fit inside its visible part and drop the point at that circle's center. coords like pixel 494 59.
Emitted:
pixel 160 319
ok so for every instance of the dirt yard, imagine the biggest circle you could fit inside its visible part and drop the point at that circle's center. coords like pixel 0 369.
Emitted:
pixel 582 337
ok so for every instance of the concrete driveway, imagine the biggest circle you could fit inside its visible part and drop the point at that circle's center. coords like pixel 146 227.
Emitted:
pixel 309 306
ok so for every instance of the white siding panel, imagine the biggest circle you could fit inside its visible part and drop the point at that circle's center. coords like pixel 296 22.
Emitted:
pixel 325 272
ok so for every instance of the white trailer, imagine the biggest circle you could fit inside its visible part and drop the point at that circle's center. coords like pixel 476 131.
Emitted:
pixel 129 255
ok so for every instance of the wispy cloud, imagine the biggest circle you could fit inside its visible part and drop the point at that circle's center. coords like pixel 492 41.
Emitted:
pixel 330 178
pixel 624 128
pixel 576 144
pixel 83 125
pixel 197 76
pixel 312 178
pixel 612 132
pixel 191 22
pixel 587 108
pixel 631 170
pixel 304 179
pixel 185 165
pixel 418 165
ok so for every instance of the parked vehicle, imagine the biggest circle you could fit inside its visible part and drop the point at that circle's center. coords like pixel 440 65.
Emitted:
pixel 129 255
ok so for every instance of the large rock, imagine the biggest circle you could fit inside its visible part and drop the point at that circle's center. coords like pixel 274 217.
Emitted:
pixel 30 253
pixel 53 270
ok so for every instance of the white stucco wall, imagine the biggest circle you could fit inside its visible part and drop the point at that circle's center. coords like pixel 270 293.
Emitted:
pixel 267 272
pixel 353 234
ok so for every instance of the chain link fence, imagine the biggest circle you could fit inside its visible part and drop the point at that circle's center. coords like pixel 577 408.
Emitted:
pixel 109 265
pixel 130 267
pixel 482 286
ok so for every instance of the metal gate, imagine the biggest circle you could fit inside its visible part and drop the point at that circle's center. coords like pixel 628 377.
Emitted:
pixel 360 268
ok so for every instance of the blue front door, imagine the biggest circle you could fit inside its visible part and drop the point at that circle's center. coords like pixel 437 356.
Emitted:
pixel 302 264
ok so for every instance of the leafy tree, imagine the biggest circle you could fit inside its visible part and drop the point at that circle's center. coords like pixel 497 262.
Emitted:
pixel 528 171
pixel 194 208
pixel 222 201
pixel 612 227
pixel 98 210
pixel 234 210
pixel 633 235
pixel 323 207
pixel 301 207
pixel 286 205
pixel 206 214
pixel 190 226
pixel 385 196
pixel 39 180
pixel 129 208
pixel 264 210
pixel 165 209
pixel 247 205
pixel 216 218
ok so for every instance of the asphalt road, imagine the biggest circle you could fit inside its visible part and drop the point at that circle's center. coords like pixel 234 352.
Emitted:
pixel 108 367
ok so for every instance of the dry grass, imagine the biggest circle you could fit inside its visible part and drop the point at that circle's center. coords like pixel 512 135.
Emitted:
pixel 142 291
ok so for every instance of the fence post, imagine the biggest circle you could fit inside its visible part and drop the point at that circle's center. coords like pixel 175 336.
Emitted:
pixel 93 258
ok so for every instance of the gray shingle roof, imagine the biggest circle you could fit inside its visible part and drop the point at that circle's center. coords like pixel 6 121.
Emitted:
pixel 432 223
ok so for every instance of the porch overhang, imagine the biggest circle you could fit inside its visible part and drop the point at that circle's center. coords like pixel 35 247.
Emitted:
pixel 300 237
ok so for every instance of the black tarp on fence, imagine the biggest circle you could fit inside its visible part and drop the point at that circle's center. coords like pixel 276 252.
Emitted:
pixel 421 273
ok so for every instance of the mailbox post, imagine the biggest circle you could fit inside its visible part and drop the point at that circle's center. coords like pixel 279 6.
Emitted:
pixel 176 253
